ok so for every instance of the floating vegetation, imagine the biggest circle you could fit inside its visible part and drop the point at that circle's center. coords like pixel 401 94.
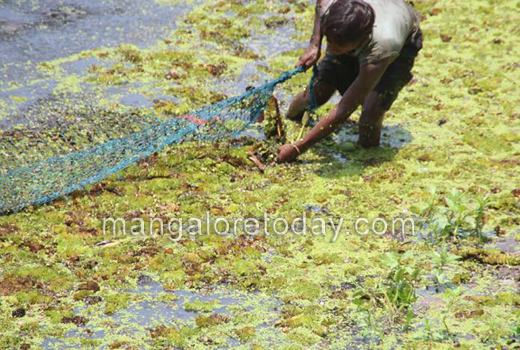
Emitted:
pixel 489 257
pixel 65 282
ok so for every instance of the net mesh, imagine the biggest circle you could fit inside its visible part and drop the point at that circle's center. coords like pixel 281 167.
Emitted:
pixel 39 177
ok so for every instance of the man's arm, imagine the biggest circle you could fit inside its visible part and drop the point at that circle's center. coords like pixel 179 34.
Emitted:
pixel 317 36
pixel 368 78
pixel 313 52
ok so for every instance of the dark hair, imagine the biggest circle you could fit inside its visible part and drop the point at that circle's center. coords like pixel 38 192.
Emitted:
pixel 348 21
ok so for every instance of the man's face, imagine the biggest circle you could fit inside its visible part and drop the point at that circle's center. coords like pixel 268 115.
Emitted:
pixel 337 49
pixel 341 49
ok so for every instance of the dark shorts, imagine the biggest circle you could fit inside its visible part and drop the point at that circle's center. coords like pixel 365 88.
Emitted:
pixel 341 71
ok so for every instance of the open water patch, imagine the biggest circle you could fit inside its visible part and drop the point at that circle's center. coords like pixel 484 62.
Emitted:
pixel 152 306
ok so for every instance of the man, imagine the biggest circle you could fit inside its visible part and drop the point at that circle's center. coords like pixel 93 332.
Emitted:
pixel 371 49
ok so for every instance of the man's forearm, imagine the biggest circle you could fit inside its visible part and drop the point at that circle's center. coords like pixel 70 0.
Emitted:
pixel 351 100
pixel 316 32
pixel 367 80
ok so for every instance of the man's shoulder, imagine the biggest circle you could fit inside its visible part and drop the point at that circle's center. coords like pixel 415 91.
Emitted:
pixel 395 21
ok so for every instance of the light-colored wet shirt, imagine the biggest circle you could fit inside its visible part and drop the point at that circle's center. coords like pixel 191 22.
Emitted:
pixel 395 21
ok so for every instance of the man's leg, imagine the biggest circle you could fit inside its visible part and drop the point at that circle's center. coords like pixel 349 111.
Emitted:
pixel 334 73
pixel 396 77
pixel 298 106
pixel 371 121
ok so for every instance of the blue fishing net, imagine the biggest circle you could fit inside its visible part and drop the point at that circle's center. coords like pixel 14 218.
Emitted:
pixel 24 183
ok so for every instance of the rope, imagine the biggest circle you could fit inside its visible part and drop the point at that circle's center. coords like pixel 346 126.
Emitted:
pixel 312 105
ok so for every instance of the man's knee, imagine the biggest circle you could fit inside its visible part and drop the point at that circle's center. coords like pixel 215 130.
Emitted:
pixel 297 107
pixel 322 93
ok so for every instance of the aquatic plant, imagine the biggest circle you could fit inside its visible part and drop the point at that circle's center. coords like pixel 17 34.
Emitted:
pixel 441 260
pixel 454 216
pixel 397 292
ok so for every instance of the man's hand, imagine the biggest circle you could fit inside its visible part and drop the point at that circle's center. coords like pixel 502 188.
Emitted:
pixel 287 153
pixel 313 52
pixel 309 57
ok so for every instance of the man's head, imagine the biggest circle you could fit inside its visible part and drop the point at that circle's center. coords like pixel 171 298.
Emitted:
pixel 347 25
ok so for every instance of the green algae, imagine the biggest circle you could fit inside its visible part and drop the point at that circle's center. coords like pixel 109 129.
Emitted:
pixel 168 336
pixel 50 253
pixel 199 306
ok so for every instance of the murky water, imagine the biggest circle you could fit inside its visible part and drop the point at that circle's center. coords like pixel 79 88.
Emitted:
pixel 33 31
pixel 392 136
pixel 506 244
pixel 155 306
